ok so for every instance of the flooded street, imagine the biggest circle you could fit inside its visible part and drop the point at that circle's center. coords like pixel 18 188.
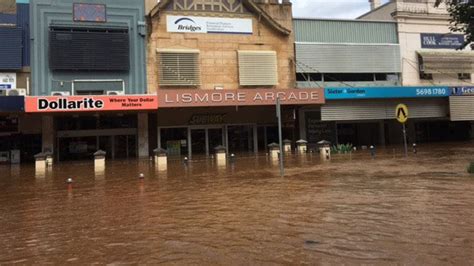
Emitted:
pixel 352 210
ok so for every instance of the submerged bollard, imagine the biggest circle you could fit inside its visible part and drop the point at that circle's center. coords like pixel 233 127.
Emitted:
pixel 40 163
pixel 302 146
pixel 372 151
pixel 274 150
pixel 287 146
pixel 99 161
pixel 415 150
pixel 221 155
pixel 161 158
pixel 49 158
pixel 325 150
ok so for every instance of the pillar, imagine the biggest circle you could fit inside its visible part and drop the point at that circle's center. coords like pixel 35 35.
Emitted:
pixel 382 133
pixel 472 130
pixel 48 133
pixel 143 151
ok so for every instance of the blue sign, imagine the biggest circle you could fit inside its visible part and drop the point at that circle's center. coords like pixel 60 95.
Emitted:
pixel 441 41
pixel 5 86
pixel 385 92
pixel 461 91
pixel 12 103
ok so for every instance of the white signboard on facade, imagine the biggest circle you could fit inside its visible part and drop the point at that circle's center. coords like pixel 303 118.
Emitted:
pixel 187 24
pixel 7 80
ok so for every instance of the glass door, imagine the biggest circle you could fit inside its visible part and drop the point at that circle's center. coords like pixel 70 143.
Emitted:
pixel 215 138
pixel 198 141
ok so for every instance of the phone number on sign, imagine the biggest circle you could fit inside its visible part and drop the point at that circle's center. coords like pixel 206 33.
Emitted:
pixel 431 92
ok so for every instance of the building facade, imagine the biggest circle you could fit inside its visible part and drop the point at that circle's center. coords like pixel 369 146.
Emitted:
pixel 89 78
pixel 218 68
pixel 431 57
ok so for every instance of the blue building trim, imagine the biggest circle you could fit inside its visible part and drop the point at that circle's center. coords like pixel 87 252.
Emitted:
pixel 346 93
pixel 12 104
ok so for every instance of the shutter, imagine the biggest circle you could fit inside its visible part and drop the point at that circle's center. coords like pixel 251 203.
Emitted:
pixel 258 68
pixel 347 58
pixel 10 48
pixel 462 108
pixel 385 109
pixel 179 67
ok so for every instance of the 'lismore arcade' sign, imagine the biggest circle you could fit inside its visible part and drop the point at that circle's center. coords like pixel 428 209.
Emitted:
pixel 35 104
pixel 241 97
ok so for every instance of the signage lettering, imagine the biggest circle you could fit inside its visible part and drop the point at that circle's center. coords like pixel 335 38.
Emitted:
pixel 461 91
pixel 385 92
pixel 89 103
pixel 180 98
pixel 441 41
pixel 189 24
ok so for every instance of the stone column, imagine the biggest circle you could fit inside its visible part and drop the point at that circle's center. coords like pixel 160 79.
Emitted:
pixel 143 150
pixel 48 133
pixel 40 163
pixel 324 150
pixel 274 150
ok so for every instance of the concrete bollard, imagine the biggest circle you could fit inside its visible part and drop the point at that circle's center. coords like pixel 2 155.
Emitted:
pixel 302 146
pixel 325 150
pixel 40 163
pixel 221 155
pixel 274 150
pixel 99 161
pixel 287 146
pixel 161 158
pixel 372 151
pixel 415 149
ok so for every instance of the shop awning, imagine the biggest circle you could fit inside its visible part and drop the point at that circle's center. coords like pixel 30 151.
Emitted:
pixel 446 62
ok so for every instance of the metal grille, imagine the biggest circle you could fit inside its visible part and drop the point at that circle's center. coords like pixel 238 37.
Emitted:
pixel 89 49
pixel 462 108
pixel 258 68
pixel 179 68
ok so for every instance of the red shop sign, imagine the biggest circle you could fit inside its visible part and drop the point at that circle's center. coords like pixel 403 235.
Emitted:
pixel 39 104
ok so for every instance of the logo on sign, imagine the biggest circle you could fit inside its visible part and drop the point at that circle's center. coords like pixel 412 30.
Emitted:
pixel 65 104
pixel 187 24
pixel 460 91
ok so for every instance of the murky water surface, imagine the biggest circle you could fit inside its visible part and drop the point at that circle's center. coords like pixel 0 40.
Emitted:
pixel 353 210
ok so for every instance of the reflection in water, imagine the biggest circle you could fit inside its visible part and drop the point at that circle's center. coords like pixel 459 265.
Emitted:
pixel 361 211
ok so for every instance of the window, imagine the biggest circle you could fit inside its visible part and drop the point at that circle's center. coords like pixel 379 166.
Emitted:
pixel 426 76
pixel 258 68
pixel 464 76
pixel 309 77
pixel 338 77
pixel 89 49
pixel 178 67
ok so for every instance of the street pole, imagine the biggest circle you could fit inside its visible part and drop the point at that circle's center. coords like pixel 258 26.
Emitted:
pixel 280 137
pixel 405 139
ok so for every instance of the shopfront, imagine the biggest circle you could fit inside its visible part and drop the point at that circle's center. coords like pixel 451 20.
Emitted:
pixel 193 123
pixel 76 127
pixel 366 116
pixel 461 106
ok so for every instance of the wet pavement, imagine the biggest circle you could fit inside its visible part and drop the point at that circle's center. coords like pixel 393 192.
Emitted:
pixel 352 210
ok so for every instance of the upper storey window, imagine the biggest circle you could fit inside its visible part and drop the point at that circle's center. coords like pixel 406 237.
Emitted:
pixel 178 67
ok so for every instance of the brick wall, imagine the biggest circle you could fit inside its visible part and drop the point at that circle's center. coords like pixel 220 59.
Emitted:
pixel 218 52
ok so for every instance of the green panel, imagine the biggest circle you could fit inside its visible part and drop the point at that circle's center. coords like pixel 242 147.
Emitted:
pixel 344 31
pixel 120 13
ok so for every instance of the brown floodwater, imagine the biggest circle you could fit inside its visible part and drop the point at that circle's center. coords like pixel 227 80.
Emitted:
pixel 352 210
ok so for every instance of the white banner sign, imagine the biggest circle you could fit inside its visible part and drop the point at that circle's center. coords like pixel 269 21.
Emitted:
pixel 209 25
pixel 7 80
